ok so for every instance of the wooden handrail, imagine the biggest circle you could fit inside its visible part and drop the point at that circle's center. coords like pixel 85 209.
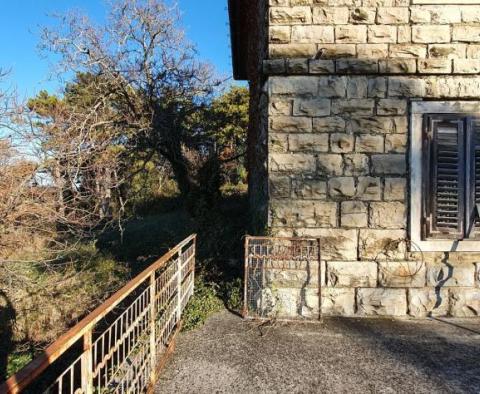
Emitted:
pixel 34 369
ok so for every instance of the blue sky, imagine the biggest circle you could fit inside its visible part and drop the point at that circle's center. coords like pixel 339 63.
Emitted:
pixel 205 22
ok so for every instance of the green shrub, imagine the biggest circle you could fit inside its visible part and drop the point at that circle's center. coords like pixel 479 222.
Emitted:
pixel 204 303
pixel 233 294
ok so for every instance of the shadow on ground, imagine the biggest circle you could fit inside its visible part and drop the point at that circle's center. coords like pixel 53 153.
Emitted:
pixel 229 355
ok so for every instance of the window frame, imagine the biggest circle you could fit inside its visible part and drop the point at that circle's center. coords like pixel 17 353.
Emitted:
pixel 418 111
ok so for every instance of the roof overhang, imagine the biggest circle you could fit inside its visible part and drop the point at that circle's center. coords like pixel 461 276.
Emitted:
pixel 239 32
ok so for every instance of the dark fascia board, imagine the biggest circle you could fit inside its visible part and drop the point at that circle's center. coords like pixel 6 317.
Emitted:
pixel 239 38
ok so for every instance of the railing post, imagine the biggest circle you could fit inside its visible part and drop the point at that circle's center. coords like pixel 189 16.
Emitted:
pixel 153 339
pixel 87 363
pixel 194 264
pixel 179 285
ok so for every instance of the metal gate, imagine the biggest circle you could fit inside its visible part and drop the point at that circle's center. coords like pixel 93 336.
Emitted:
pixel 282 278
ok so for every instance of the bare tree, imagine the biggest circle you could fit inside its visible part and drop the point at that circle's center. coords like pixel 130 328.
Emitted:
pixel 153 73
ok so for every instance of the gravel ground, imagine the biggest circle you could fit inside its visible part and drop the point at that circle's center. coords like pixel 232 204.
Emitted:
pixel 229 355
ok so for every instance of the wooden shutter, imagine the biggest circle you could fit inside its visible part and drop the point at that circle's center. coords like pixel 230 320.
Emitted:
pixel 444 190
pixel 473 178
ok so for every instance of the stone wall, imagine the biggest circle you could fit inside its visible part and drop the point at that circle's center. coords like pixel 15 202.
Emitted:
pixel 341 77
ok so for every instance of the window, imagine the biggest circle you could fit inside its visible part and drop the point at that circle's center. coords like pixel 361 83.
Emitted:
pixel 445 162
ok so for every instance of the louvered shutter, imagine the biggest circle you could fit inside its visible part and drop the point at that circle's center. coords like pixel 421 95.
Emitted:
pixel 444 190
pixel 473 178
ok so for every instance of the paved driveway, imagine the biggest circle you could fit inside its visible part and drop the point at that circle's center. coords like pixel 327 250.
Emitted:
pixel 228 355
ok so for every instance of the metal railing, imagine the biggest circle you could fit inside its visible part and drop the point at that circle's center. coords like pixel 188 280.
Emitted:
pixel 120 346
pixel 283 278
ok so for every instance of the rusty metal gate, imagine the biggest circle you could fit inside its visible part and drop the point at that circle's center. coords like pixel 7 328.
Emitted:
pixel 282 278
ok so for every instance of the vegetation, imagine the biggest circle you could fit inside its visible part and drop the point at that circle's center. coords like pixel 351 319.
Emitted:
pixel 143 147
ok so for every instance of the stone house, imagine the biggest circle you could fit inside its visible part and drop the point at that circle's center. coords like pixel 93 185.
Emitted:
pixel 365 132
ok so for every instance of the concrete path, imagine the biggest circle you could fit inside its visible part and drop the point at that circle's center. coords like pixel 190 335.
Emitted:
pixel 228 355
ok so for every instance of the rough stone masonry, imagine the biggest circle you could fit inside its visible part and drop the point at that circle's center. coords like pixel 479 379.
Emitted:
pixel 337 79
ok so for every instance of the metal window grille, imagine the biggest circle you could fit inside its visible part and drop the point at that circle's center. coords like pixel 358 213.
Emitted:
pixel 282 278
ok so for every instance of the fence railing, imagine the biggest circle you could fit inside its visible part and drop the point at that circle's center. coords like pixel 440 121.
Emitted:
pixel 121 345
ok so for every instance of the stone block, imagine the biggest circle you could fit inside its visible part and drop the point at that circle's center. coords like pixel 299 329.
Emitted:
pixel 382 244
pixel 428 302
pixel 371 124
pixel 369 143
pixel 363 15
pixel 381 302
pixel 431 34
pixel 406 87
pixel 452 87
pixel 332 87
pixel 357 66
pixel 290 15
pixel 470 14
pixel 434 66
pixel 387 215
pixel 298 278
pixel 341 187
pixel 315 34
pixel 334 124
pixel 447 275
pixel 338 301
pixel 372 51
pixel 336 51
pixel 465 302
pixel 308 142
pixel 404 34
pixel 341 142
pixel 377 87
pixel 309 188
pixel 351 34
pixel 274 66
pixel 293 213
pixel 389 164
pixel 402 274
pixel 466 33
pixel 369 189
pixel 278 142
pixel 398 66
pixel 400 124
pixel 292 162
pixel 290 124
pixel 445 14
pixel 473 51
pixel 356 164
pixel 329 164
pixel 294 85
pixel 447 51
pixel 382 34
pixel 351 274
pixel 279 186
pixel 297 66
pixel 353 106
pixel 311 107
pixel 319 66
pixel 466 66
pixel 296 50
pixel 330 15
pixel 391 107
pixel 408 51
pixel 288 303
pixel 420 15
pixel 279 34
pixel 357 87
pixel 280 106
pixel 393 15
pixel 395 189
pixel 396 143
pixel 336 243
pixel 353 214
